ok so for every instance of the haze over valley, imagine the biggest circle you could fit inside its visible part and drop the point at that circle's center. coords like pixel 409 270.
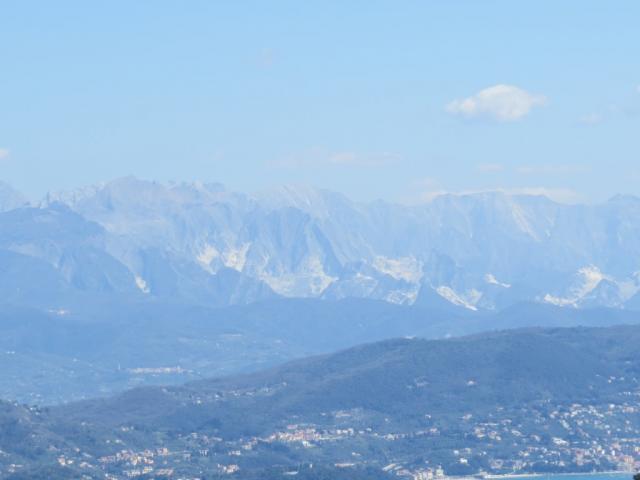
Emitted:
pixel 154 283
pixel 319 240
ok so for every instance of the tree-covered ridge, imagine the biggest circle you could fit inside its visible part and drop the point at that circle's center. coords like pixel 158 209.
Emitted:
pixel 565 397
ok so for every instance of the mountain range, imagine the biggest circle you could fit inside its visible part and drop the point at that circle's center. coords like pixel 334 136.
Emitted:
pixel 201 244
pixel 140 283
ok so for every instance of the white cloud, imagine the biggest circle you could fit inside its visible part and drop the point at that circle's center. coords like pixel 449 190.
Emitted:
pixel 504 103
pixel 4 153
pixel 342 158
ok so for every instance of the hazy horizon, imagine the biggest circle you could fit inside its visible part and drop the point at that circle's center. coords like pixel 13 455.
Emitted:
pixel 369 99
pixel 363 240
pixel 557 196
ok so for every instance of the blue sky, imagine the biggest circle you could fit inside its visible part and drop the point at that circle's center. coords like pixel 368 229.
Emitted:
pixel 393 100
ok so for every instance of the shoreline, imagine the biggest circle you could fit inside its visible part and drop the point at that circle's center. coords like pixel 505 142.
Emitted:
pixel 503 476
pixel 538 475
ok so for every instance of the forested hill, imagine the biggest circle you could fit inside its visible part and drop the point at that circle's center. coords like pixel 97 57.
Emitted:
pixel 415 403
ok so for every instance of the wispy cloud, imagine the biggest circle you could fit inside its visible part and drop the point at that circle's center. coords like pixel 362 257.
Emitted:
pixel 551 169
pixel 560 195
pixel 490 167
pixel 503 103
pixel 4 153
pixel 425 183
pixel 590 119
pixel 319 157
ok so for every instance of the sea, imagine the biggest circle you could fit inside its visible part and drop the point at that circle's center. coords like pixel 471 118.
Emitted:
pixel 573 476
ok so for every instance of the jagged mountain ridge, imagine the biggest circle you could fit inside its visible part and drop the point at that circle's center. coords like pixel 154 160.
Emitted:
pixel 478 251
pixel 10 198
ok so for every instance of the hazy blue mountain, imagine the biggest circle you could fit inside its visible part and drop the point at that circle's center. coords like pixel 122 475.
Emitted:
pixel 202 281
pixel 101 347
pixel 634 302
pixel 51 256
pixel 508 368
pixel 481 251
pixel 11 198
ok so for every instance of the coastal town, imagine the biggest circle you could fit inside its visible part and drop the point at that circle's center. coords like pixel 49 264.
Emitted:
pixel 547 439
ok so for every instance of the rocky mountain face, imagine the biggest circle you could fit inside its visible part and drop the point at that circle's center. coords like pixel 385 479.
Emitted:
pixel 199 243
